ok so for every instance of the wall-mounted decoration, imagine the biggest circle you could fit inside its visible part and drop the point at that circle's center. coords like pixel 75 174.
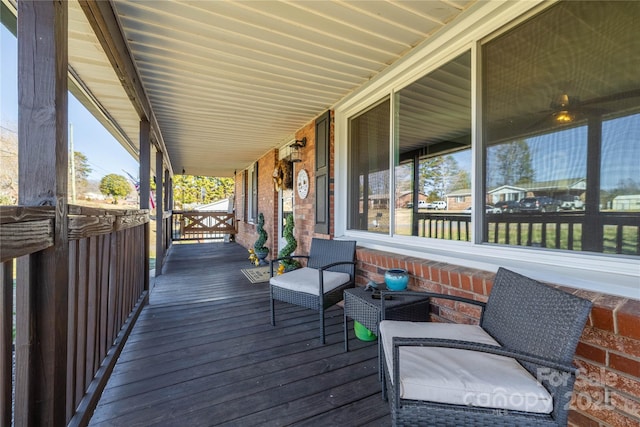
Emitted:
pixel 303 184
pixel 283 175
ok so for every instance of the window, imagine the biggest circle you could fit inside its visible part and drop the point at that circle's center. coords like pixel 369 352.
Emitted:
pixel 433 160
pixel 562 130
pixel 538 129
pixel 252 183
pixel 369 171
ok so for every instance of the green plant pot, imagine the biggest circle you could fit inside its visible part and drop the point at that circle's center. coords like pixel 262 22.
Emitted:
pixel 362 333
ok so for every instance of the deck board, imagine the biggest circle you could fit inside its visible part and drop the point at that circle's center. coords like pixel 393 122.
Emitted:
pixel 203 353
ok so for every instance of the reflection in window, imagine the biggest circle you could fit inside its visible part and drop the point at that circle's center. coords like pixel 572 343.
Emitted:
pixel 432 173
pixel 369 170
pixel 619 171
pixel 562 130
pixel 287 207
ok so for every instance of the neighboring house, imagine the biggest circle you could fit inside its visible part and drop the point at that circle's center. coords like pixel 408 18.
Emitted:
pixel 629 202
pixel 506 193
pixel 459 199
pixel 405 199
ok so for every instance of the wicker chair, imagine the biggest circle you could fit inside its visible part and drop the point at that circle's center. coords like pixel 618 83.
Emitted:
pixel 319 285
pixel 514 368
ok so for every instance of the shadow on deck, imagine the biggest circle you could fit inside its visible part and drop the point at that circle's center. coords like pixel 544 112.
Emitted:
pixel 204 353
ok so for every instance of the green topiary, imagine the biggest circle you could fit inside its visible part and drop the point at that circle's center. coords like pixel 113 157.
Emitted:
pixel 289 264
pixel 259 246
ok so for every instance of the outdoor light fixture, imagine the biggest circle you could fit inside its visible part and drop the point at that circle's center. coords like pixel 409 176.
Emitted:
pixel 564 116
pixel 298 144
pixel 562 106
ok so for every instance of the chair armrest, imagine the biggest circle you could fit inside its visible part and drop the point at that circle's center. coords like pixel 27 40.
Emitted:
pixel 431 295
pixel 321 276
pixel 333 264
pixel 470 346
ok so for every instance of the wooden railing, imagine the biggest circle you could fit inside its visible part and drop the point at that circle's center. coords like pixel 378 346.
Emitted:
pixel 203 225
pixel 448 226
pixel 106 291
pixel 605 232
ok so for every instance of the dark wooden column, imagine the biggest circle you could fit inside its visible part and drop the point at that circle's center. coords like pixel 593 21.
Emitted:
pixel 167 189
pixel 42 290
pixel 170 188
pixel 416 194
pixel 145 187
pixel 168 205
pixel 593 233
pixel 159 212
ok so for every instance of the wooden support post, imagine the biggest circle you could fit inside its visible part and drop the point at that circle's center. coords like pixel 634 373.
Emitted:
pixel 145 190
pixel 166 224
pixel 42 290
pixel 159 212
pixel 592 232
pixel 170 186
pixel 6 341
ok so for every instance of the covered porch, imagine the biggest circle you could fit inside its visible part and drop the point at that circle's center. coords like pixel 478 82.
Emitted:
pixel 234 89
pixel 204 353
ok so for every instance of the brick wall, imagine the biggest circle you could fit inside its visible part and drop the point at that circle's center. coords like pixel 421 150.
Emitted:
pixel 607 391
pixel 303 209
pixel 267 205
pixel 304 214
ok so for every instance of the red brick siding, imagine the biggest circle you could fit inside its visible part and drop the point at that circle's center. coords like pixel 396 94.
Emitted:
pixel 304 214
pixel 267 205
pixel 607 391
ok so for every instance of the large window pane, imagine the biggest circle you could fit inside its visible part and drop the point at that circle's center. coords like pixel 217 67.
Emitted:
pixel 562 135
pixel 369 170
pixel 433 163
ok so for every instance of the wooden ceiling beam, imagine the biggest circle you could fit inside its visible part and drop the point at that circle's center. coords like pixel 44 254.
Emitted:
pixel 104 22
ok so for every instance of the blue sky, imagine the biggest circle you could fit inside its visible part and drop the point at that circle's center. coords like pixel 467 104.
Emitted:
pixel 104 152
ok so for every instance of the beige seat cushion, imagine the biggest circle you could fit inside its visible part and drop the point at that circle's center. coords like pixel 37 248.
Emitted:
pixel 461 377
pixel 306 280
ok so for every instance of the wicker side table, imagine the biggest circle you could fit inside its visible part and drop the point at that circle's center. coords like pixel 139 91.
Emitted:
pixel 360 306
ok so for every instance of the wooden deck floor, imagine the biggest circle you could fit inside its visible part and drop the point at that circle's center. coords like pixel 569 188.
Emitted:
pixel 204 353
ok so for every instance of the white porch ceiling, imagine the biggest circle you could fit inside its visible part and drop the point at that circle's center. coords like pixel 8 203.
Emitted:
pixel 230 80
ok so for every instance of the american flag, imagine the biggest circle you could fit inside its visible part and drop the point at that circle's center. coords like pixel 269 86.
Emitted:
pixel 136 183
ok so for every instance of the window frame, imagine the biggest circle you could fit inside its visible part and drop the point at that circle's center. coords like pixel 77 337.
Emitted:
pixel 612 274
pixel 252 191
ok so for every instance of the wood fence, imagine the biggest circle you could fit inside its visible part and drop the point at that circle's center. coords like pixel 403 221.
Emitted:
pixel 203 225
pixel 107 288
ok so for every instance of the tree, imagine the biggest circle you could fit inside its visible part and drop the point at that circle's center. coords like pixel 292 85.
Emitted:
pixel 440 175
pixel 510 164
pixel 9 163
pixel 190 189
pixel 82 171
pixel 115 185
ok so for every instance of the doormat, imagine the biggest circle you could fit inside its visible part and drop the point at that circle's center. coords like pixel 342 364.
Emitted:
pixel 257 275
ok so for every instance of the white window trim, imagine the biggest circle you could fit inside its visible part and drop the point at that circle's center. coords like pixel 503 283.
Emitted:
pixel 610 274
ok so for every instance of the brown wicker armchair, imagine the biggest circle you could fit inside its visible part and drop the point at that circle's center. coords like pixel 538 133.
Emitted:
pixel 515 368
pixel 330 270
